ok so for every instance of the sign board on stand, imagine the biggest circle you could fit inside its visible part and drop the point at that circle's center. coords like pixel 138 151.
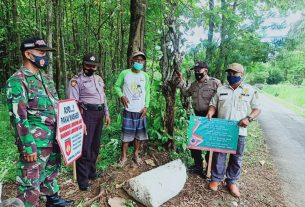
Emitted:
pixel 217 135
pixel 70 130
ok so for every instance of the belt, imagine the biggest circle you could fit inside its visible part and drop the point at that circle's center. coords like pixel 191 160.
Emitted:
pixel 94 107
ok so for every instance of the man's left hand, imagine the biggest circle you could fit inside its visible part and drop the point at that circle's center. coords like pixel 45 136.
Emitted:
pixel 107 121
pixel 244 123
pixel 143 112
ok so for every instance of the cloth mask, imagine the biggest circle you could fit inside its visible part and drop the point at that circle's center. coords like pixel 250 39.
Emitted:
pixel 233 79
pixel 40 61
pixel 89 72
pixel 138 66
pixel 199 76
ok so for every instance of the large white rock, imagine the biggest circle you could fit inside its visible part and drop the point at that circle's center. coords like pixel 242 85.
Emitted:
pixel 155 187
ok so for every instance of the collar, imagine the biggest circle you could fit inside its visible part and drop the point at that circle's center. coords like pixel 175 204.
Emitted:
pixel 26 71
pixel 241 85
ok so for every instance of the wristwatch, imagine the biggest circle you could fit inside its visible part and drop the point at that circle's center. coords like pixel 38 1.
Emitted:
pixel 249 118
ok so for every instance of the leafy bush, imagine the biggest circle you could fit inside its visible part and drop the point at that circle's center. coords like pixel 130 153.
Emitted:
pixel 275 77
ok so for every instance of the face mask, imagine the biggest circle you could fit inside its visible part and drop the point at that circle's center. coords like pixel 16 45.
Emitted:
pixel 88 72
pixel 199 76
pixel 138 66
pixel 233 79
pixel 40 61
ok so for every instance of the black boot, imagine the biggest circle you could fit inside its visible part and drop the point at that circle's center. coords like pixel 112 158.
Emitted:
pixel 56 201
pixel 195 169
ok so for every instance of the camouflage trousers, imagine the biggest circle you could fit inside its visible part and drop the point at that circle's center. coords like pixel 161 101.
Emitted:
pixel 35 178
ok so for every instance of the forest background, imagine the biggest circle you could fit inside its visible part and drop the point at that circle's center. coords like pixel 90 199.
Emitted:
pixel 233 31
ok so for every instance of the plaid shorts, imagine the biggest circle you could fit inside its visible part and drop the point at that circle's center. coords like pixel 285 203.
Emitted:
pixel 134 127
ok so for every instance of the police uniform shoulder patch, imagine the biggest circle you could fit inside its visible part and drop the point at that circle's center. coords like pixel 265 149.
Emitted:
pixel 73 83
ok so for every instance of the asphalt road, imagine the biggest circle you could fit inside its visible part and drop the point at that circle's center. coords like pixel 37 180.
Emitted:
pixel 285 134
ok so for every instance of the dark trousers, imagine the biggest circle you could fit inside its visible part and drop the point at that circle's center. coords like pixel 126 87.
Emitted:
pixel 233 170
pixel 196 154
pixel 85 165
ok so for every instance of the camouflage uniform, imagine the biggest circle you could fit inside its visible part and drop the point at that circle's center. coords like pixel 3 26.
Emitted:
pixel 32 101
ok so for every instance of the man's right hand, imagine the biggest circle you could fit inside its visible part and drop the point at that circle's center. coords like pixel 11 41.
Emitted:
pixel 30 157
pixel 125 101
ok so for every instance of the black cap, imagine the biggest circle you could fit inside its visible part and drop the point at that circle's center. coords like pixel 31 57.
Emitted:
pixel 35 43
pixel 200 65
pixel 91 59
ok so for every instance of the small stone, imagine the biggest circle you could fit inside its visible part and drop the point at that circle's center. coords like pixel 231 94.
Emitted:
pixel 116 202
pixel 262 162
pixel 150 162
pixel 233 204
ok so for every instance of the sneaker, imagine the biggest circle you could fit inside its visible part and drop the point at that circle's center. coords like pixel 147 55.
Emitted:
pixel 233 189
pixel 213 185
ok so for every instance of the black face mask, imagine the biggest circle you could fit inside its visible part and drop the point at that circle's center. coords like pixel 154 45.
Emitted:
pixel 89 72
pixel 199 76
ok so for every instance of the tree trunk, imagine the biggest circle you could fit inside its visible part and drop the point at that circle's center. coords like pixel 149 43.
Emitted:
pixel 58 53
pixel 209 51
pixel 222 48
pixel 137 23
pixel 170 64
pixel 50 35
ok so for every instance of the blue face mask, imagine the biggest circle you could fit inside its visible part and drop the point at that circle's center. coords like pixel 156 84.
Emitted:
pixel 41 61
pixel 138 66
pixel 233 79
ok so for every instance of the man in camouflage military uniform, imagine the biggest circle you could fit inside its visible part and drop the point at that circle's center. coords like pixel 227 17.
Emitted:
pixel 87 88
pixel 202 91
pixel 32 101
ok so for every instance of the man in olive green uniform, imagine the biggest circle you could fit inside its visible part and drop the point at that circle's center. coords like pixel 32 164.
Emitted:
pixel 202 90
pixel 32 102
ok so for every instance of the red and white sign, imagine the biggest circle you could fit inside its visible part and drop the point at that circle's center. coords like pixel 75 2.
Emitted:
pixel 70 130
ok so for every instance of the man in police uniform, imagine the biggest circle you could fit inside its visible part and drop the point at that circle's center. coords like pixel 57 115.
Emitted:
pixel 87 89
pixel 201 90
pixel 32 102
pixel 232 102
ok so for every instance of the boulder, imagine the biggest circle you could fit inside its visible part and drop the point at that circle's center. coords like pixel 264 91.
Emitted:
pixel 155 187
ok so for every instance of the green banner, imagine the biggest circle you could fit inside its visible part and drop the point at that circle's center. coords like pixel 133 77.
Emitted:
pixel 218 135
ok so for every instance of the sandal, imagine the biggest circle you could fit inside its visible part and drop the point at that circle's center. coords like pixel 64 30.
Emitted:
pixel 137 160
pixel 122 163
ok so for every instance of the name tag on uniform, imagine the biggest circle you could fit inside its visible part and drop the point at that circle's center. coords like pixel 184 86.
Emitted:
pixel 223 94
pixel 243 94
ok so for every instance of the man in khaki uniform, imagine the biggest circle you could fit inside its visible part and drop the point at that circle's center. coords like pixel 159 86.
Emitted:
pixel 201 90
pixel 232 102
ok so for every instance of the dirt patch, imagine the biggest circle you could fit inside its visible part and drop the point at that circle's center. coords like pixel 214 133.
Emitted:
pixel 259 185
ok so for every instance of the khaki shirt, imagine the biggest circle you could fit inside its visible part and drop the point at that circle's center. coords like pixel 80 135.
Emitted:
pixel 88 90
pixel 235 104
pixel 201 93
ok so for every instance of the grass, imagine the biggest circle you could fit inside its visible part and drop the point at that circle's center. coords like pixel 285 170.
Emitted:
pixel 8 150
pixel 290 96
pixel 254 142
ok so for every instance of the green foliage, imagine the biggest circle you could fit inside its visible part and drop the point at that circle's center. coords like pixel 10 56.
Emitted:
pixel 8 155
pixel 274 77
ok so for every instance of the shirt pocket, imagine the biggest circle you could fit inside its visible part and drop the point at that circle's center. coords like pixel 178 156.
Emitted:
pixel 38 100
pixel 206 95
pixel 88 85
pixel 243 103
